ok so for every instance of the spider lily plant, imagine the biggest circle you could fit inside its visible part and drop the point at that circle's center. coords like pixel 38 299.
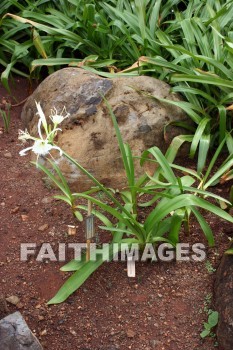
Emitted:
pixel 172 200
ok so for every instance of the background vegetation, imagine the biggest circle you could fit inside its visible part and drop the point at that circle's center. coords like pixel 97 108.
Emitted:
pixel 189 44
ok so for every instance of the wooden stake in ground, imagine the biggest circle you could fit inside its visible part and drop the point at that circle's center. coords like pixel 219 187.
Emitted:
pixel 90 229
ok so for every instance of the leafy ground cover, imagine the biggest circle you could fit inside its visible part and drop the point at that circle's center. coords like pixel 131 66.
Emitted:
pixel 164 306
pixel 186 43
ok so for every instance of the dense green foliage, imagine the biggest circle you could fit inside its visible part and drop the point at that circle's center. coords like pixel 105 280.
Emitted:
pixel 186 43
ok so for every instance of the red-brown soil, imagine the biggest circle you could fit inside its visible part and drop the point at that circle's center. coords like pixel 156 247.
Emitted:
pixel 163 308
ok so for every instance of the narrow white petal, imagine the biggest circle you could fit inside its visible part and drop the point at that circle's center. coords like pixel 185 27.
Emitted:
pixel 23 152
pixel 42 116
pixel 59 149
pixel 39 128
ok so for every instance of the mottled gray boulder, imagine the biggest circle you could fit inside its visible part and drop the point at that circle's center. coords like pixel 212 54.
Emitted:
pixel 223 294
pixel 15 334
pixel 88 135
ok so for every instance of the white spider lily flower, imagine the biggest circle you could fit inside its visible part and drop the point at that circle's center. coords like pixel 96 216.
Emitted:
pixel 40 148
pixel 58 118
pixel 43 144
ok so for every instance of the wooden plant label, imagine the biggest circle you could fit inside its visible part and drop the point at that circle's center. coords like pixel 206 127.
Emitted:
pixel 90 230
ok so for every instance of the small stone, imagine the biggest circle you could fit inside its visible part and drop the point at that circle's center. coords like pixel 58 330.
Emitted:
pixel 43 227
pixel 155 344
pixel 130 333
pixel 8 155
pixel 47 200
pixel 13 299
pixel 41 318
pixel 44 332
pixel 24 217
pixel 20 305
pixel 14 210
pixel 3 204
pixel 72 331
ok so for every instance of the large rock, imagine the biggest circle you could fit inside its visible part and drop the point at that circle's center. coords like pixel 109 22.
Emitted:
pixel 223 294
pixel 15 334
pixel 88 135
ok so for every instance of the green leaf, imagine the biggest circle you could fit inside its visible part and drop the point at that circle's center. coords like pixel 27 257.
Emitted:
pixel 176 222
pixel 62 186
pixel 175 145
pixel 79 277
pixel 205 227
pixel 76 280
pixel 99 215
pixel 184 200
pixel 205 333
pixel 124 149
pixel 189 108
pixel 212 80
pixel 203 124
pixel 223 169
pixel 74 265
pixel 161 159
pixel 5 76
pixel 213 319
pixel 63 198
pixel 213 160
pixel 222 123
pixel 53 62
pixel 204 145
pixel 78 215
pixel 38 43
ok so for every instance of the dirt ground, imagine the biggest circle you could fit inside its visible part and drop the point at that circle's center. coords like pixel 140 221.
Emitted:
pixel 163 308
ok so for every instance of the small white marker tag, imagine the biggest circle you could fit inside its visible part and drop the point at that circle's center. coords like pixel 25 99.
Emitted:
pixel 131 272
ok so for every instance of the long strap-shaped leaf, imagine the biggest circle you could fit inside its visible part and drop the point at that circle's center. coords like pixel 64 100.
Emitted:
pixel 84 271
pixel 184 200
pixel 212 80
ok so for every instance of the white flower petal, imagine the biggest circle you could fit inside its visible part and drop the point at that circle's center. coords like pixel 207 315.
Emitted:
pixel 41 147
pixel 24 135
pixel 58 118
pixel 59 149
pixel 39 128
pixel 23 151
pixel 42 116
